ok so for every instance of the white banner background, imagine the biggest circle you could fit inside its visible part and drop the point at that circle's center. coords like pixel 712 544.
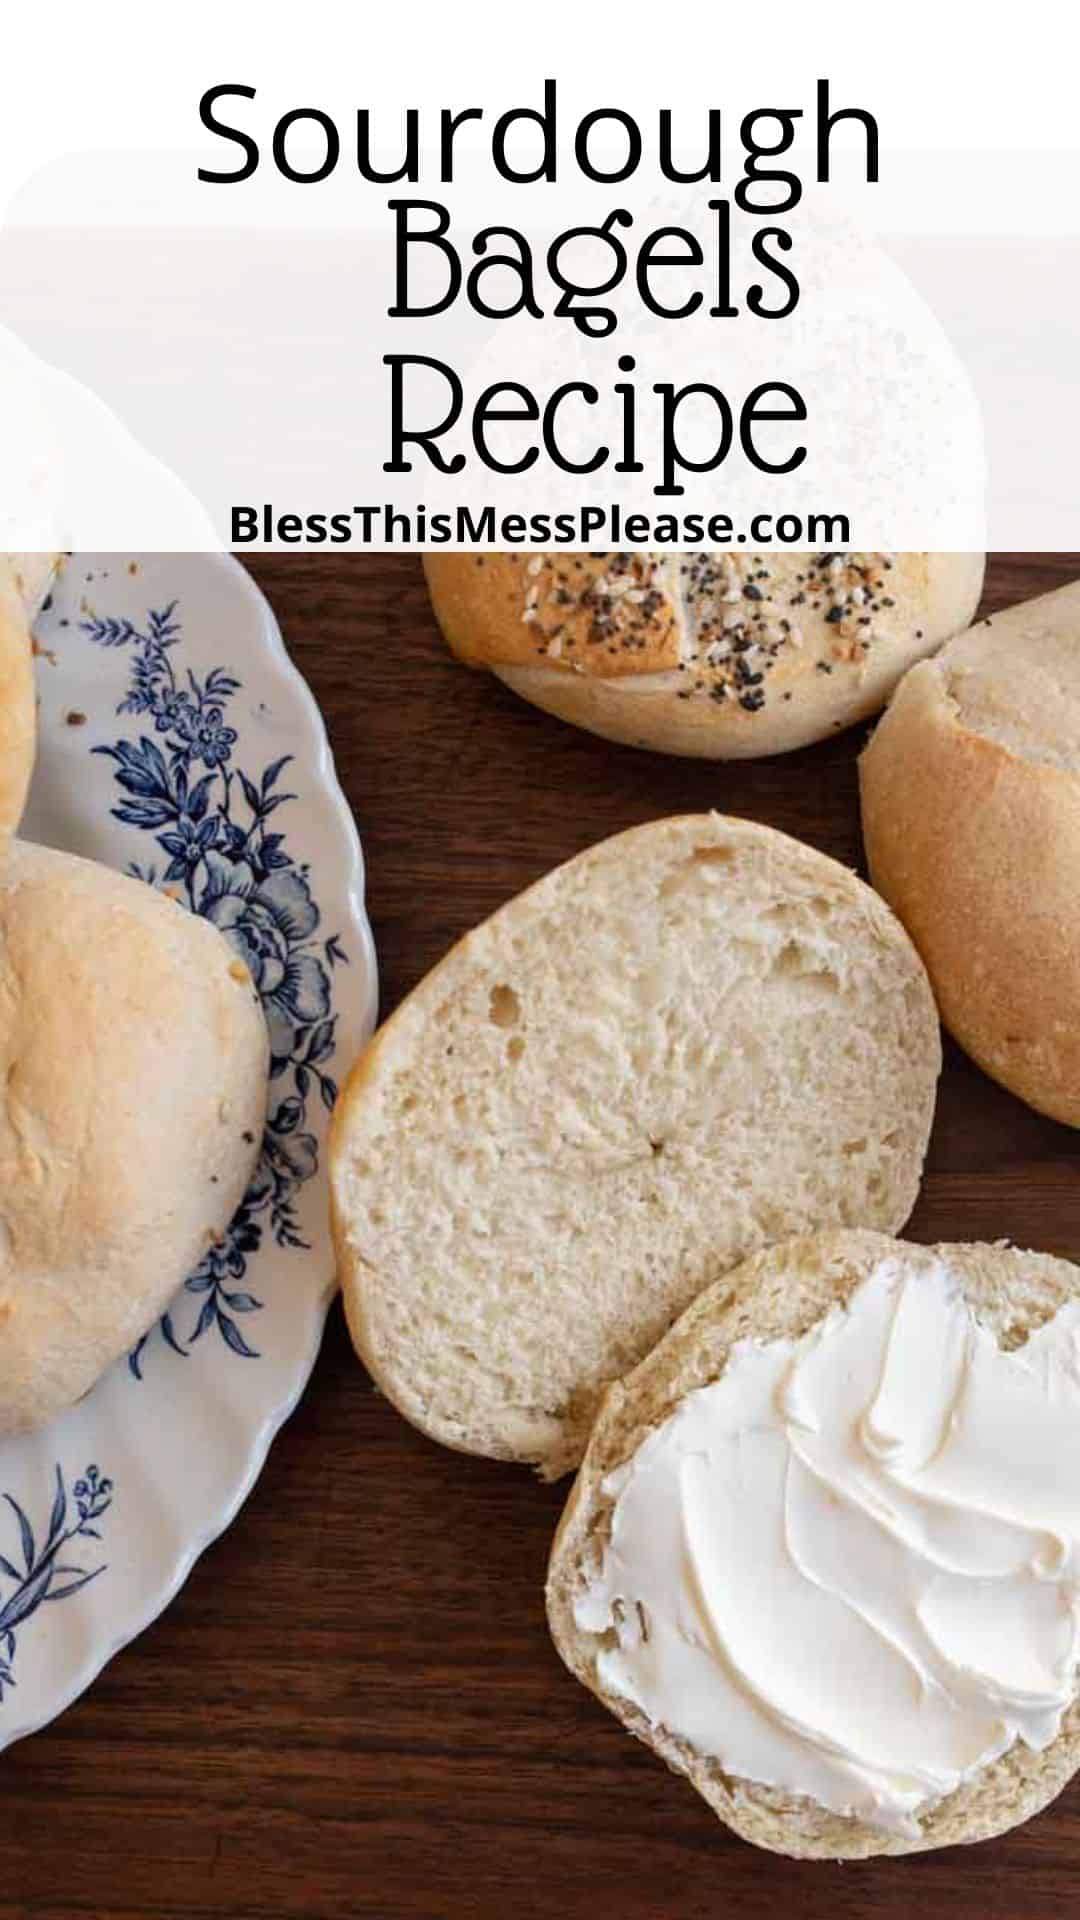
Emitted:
pixel 171 349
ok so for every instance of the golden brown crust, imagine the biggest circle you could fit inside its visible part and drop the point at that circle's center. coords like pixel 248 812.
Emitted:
pixel 17 712
pixel 977 849
pixel 133 1073
pixel 602 614
pixel 712 654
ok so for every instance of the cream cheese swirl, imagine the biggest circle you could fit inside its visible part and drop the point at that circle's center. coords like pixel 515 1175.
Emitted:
pixel 849 1568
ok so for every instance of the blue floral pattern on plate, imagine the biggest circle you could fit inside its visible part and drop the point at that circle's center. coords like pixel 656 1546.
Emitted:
pixel 44 1574
pixel 182 745
pixel 210 817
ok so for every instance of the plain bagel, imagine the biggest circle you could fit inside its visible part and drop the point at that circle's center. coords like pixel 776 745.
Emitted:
pixel 18 717
pixel 24 582
pixel 722 655
pixel 783 1294
pixel 695 1038
pixel 971 816
pixel 133 1076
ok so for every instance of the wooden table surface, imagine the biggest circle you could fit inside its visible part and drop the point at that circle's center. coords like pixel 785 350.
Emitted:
pixel 353 1708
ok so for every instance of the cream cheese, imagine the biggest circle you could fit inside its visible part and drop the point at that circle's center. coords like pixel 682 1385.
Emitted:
pixel 849 1568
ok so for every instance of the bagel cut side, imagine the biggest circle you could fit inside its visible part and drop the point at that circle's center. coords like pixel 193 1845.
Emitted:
pixel 693 1039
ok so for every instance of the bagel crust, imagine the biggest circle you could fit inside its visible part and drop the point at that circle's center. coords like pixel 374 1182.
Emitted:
pixel 133 1075
pixel 971 817
pixel 31 575
pixel 24 583
pixel 722 655
pixel 17 712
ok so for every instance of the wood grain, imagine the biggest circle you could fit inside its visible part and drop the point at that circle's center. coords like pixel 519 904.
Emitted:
pixel 353 1708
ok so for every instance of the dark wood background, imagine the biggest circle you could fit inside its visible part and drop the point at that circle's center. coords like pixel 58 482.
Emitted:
pixel 353 1708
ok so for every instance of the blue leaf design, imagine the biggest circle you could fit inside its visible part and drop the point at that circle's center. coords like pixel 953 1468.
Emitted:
pixel 170 1337
pixel 144 813
pixel 26 1532
pixel 109 633
pixel 142 767
pixel 250 792
pixel 26 1599
pixel 48 1576
pixel 219 684
pixel 233 1338
pixel 207 1316
pixel 199 797
pixel 73 1586
pixel 274 772
pixel 59 1510
pixel 321 1043
pixel 180 782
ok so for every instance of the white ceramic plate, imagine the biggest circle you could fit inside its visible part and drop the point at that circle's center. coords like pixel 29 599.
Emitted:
pixel 179 743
